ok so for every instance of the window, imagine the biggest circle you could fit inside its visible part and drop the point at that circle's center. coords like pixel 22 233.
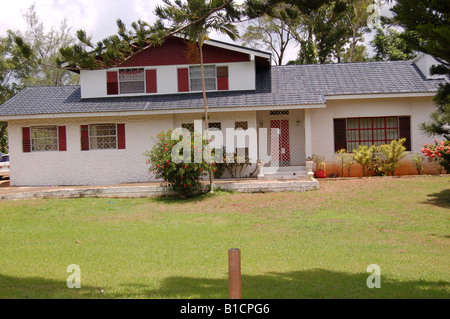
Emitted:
pixel 4 159
pixel 44 138
pixel 217 126
pixel 241 125
pixel 371 131
pixel 102 136
pixel 132 81
pixel 352 132
pixel 189 127
pixel 276 113
pixel 195 75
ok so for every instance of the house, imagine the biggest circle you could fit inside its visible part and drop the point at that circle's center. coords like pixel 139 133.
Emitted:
pixel 97 133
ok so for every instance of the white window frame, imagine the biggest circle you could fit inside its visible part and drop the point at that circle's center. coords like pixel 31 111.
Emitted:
pixel 201 89
pixel 91 136
pixel 119 81
pixel 43 138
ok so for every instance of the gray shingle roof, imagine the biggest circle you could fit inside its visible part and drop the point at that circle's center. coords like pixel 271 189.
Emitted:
pixel 279 86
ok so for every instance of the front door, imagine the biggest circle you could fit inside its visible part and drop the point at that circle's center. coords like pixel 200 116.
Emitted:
pixel 284 156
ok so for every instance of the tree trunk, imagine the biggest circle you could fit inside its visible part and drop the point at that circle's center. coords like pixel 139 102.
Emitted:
pixel 205 104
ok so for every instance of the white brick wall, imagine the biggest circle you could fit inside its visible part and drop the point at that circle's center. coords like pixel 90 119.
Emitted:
pixel 94 167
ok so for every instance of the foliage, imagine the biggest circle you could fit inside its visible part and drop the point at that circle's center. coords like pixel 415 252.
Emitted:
pixel 272 33
pixel 183 177
pixel 4 139
pixel 363 156
pixel 427 28
pixel 389 45
pixel 386 158
pixel 439 152
pixel 44 52
pixel 345 161
pixel 185 18
pixel 417 160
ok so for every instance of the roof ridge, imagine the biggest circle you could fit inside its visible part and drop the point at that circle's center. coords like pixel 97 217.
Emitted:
pixel 343 63
pixel 51 86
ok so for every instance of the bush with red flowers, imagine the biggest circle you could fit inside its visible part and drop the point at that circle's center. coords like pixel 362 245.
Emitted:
pixel 439 152
pixel 183 176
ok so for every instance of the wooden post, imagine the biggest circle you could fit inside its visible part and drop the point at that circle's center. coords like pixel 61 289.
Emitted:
pixel 234 273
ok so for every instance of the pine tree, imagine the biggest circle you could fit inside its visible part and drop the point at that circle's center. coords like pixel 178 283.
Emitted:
pixel 428 30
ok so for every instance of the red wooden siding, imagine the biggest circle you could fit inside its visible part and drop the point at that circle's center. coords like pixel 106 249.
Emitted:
pixel 222 78
pixel 121 144
pixel 62 140
pixel 26 139
pixel 112 86
pixel 340 134
pixel 183 80
pixel 85 137
pixel 174 52
pixel 405 131
pixel 150 79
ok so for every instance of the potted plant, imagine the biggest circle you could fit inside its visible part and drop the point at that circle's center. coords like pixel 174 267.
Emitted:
pixel 320 166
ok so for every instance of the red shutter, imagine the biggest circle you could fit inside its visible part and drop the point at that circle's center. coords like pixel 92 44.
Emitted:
pixel 340 134
pixel 112 87
pixel 405 131
pixel 222 78
pixel 150 78
pixel 121 136
pixel 26 142
pixel 85 137
pixel 183 80
pixel 62 141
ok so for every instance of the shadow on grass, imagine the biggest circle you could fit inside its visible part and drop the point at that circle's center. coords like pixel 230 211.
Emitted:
pixel 40 288
pixel 314 283
pixel 441 199
pixel 195 199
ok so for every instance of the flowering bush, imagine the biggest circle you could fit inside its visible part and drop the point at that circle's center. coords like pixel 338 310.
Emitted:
pixel 183 176
pixel 439 152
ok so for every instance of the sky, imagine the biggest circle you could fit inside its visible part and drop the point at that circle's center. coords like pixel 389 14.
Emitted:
pixel 96 17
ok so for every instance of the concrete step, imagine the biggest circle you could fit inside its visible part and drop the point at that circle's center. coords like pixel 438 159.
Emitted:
pixel 288 172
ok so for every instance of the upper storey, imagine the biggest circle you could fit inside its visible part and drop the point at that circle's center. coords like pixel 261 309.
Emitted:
pixel 167 70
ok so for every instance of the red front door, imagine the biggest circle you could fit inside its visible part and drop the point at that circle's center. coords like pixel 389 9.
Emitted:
pixel 284 157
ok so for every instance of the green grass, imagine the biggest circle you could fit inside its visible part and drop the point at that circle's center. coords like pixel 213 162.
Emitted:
pixel 294 245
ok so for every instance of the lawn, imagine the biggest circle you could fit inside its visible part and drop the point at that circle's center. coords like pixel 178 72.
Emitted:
pixel 294 245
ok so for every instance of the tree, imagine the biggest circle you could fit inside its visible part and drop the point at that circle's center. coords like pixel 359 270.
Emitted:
pixel 389 45
pixel 427 27
pixel 29 59
pixel 357 15
pixel 269 33
pixel 357 54
pixel 181 14
pixel 43 68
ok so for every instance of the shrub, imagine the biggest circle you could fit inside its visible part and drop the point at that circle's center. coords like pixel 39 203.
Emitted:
pixel 386 158
pixel 183 178
pixel 345 161
pixel 417 160
pixel 438 153
pixel 363 156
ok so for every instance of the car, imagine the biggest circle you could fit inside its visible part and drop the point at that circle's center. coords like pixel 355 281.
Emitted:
pixel 4 166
